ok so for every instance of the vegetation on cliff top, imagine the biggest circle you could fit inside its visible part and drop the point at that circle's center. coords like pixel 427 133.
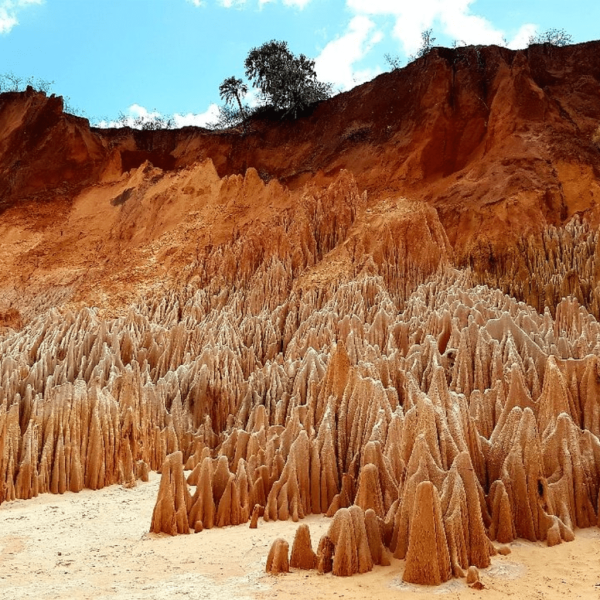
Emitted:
pixel 285 85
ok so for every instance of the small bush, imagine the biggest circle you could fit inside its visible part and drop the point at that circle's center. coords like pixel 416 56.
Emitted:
pixel 150 122
pixel 555 37
pixel 9 82
pixel 427 40
pixel 393 61
pixel 229 117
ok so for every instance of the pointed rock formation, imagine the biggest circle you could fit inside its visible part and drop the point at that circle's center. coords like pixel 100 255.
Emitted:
pixel 278 559
pixel 170 514
pixel 427 558
pixel 303 556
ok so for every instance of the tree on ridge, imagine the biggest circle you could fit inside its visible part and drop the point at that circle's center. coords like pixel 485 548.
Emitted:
pixel 286 82
pixel 232 89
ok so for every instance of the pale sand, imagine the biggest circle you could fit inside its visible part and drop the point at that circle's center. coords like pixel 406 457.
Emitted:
pixel 96 545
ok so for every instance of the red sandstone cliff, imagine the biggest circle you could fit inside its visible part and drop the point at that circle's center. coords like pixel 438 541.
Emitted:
pixel 497 141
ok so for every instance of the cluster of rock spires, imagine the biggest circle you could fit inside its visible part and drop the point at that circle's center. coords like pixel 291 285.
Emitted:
pixel 427 415
pixel 306 349
pixel 88 402
pixel 543 269
pixel 427 434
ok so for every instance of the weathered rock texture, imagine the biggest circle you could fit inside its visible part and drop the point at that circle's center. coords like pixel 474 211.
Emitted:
pixel 427 433
pixel 330 400
pixel 303 556
pixel 278 559
pixel 326 346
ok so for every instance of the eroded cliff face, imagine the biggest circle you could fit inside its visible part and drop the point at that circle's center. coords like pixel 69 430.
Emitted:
pixel 498 142
pixel 391 319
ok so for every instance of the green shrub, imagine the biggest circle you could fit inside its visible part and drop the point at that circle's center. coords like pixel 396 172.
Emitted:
pixel 286 82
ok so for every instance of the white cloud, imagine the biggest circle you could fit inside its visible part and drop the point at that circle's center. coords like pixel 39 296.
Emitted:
pixel 7 21
pixel 137 115
pixel 9 10
pixel 336 61
pixel 300 4
pixel 454 17
pixel 140 112
pixel 199 120
pixel 230 3
pixel 252 98
pixel 461 25
pixel 134 112
pixel 521 39
pixel 296 3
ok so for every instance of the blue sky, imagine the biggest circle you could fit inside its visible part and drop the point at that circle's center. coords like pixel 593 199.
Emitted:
pixel 136 56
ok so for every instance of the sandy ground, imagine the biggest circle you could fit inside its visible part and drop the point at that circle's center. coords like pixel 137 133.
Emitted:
pixel 96 545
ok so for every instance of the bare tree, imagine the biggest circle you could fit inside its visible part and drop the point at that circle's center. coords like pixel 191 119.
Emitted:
pixel 427 40
pixel 393 60
pixel 556 37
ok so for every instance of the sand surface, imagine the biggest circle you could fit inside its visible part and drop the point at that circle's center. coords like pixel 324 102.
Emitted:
pixel 96 545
